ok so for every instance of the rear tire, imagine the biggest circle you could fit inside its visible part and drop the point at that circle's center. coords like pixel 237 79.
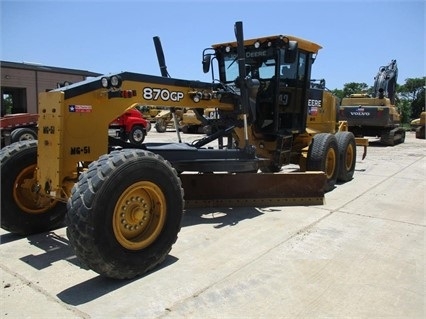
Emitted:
pixel 21 209
pixel 124 213
pixel 23 134
pixel 323 156
pixel 347 155
pixel 160 125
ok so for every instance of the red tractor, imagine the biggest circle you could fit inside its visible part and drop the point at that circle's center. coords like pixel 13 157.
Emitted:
pixel 131 126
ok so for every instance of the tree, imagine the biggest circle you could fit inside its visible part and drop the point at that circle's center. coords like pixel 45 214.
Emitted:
pixel 7 104
pixel 351 88
pixel 354 87
pixel 338 93
pixel 413 91
pixel 405 110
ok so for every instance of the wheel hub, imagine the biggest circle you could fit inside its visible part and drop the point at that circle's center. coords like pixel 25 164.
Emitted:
pixel 139 216
pixel 26 193
pixel 138 135
pixel 330 163
pixel 134 213
pixel 349 157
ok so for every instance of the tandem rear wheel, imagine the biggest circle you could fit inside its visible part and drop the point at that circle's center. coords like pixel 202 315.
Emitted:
pixel 333 154
pixel 347 155
pixel 323 156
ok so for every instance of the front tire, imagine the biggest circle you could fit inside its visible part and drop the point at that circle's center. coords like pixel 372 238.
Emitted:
pixel 323 156
pixel 137 135
pixel 23 210
pixel 125 213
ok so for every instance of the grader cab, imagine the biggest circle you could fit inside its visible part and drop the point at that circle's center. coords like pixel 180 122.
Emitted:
pixel 123 203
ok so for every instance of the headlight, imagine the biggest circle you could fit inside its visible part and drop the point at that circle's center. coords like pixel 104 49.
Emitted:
pixel 105 82
pixel 115 81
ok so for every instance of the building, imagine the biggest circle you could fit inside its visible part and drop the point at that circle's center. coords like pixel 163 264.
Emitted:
pixel 21 83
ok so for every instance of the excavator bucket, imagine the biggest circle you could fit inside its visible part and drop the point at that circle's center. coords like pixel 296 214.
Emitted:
pixel 253 189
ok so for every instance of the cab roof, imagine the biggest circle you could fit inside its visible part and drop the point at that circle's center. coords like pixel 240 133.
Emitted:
pixel 302 43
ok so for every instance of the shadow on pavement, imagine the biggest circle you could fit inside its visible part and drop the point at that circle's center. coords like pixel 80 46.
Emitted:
pixel 56 248
pixel 220 216
pixel 9 237
pixel 99 286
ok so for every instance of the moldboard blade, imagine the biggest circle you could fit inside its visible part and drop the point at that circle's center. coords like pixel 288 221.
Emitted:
pixel 253 189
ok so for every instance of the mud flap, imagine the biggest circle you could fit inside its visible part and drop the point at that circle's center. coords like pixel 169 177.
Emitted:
pixel 253 189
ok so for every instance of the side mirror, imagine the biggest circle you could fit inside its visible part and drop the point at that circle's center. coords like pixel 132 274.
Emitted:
pixel 206 63
pixel 291 52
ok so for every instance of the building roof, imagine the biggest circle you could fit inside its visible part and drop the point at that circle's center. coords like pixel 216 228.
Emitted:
pixel 45 68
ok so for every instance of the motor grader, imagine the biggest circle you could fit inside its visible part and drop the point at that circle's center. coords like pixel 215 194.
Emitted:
pixel 123 203
pixel 166 119
pixel 192 122
pixel 160 117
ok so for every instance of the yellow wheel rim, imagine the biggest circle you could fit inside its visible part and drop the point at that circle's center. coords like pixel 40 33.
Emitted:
pixel 25 195
pixel 330 163
pixel 139 215
pixel 349 157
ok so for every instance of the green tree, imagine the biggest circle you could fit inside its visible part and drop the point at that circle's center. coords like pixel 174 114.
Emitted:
pixel 354 87
pixel 7 104
pixel 338 93
pixel 404 110
pixel 413 91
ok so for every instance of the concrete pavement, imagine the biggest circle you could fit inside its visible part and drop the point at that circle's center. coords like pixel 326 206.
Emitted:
pixel 359 255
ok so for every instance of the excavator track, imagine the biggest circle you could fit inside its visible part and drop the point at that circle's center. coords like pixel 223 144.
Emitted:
pixel 253 189
pixel 393 137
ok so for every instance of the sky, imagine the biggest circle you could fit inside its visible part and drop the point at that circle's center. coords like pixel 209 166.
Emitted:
pixel 113 36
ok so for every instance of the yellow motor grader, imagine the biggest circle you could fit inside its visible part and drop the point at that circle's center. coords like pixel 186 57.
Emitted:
pixel 192 122
pixel 123 203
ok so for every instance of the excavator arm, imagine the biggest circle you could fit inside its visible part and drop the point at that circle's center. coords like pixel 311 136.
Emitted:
pixel 385 81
